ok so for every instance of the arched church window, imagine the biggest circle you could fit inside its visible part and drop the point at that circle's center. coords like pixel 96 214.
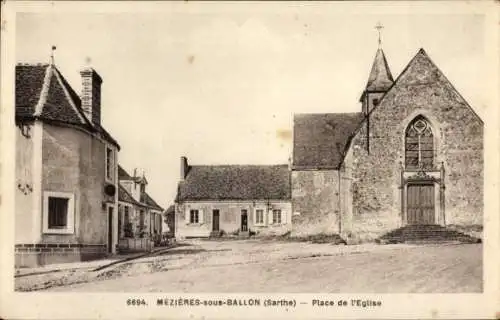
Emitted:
pixel 419 145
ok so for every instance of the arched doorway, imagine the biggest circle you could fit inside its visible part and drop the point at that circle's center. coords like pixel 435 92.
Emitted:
pixel 422 181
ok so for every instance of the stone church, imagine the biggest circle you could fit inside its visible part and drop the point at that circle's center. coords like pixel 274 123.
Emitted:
pixel 412 156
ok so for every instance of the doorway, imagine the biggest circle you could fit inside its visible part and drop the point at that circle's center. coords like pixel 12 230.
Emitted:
pixel 215 220
pixel 421 204
pixel 110 229
pixel 244 220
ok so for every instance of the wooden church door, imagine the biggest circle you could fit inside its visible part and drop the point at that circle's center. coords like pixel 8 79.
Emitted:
pixel 420 204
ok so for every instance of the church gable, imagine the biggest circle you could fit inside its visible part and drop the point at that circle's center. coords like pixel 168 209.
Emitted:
pixel 422 84
pixel 421 123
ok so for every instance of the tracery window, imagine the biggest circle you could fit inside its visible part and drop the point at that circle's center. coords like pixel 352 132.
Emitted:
pixel 419 145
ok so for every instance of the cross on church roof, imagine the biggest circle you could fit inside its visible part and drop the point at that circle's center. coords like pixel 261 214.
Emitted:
pixel 379 28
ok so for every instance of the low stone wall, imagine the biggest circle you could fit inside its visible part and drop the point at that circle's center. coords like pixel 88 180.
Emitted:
pixel 39 254
pixel 135 245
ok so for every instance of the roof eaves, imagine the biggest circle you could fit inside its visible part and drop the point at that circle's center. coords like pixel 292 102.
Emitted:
pixel 131 197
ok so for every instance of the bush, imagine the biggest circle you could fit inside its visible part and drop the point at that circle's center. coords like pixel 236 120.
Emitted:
pixel 128 230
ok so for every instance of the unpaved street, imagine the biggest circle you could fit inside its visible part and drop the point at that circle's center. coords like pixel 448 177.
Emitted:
pixel 267 266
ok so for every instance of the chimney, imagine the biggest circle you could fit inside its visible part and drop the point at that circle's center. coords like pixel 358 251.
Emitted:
pixel 91 95
pixel 184 167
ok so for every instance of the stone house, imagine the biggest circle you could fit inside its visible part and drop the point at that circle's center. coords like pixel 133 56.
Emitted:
pixel 232 199
pixel 66 169
pixel 139 216
pixel 412 156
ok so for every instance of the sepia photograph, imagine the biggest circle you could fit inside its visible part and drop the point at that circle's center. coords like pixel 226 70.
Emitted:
pixel 260 148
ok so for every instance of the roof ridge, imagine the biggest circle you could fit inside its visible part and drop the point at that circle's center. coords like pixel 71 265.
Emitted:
pixel 34 64
pixel 44 92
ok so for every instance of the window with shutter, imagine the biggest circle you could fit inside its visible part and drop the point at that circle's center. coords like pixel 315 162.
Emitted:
pixel 201 217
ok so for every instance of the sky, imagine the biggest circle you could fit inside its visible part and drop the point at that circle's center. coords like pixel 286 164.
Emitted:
pixel 219 83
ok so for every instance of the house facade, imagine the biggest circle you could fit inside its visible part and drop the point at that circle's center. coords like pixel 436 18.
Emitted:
pixel 66 169
pixel 413 155
pixel 232 199
pixel 139 216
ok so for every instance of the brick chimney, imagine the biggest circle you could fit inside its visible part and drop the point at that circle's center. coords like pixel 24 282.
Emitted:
pixel 184 168
pixel 91 95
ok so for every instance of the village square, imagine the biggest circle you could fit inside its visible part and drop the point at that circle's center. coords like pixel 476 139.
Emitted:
pixel 387 198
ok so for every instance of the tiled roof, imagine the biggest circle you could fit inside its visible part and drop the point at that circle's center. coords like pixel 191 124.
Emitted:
pixel 147 200
pixel 125 196
pixel 123 174
pixel 236 182
pixel 380 78
pixel 320 140
pixel 42 92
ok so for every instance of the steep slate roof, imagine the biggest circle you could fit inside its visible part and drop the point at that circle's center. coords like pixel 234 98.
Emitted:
pixel 380 78
pixel 43 93
pixel 125 196
pixel 236 182
pixel 320 140
pixel 123 174
pixel 145 198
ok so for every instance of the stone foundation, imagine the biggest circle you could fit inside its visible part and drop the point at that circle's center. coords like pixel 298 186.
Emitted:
pixel 34 255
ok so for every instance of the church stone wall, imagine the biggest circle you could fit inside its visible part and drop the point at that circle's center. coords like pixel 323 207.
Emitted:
pixel 315 201
pixel 422 89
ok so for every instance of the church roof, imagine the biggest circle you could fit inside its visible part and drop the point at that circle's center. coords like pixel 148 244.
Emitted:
pixel 320 140
pixel 235 182
pixel 43 93
pixel 380 78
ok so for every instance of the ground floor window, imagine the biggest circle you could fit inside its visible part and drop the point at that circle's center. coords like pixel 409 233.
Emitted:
pixel 259 216
pixel 194 216
pixel 58 212
pixel 276 216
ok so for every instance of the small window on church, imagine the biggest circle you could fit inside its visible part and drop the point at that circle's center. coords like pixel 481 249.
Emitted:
pixel 419 145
